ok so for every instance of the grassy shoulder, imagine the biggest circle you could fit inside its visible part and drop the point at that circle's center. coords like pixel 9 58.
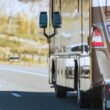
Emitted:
pixel 26 61
pixel 27 53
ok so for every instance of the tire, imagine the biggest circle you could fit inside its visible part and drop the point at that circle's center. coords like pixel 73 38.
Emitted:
pixel 98 98
pixel 60 92
pixel 97 101
pixel 85 100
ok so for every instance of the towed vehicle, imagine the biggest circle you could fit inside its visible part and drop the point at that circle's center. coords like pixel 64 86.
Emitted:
pixel 85 68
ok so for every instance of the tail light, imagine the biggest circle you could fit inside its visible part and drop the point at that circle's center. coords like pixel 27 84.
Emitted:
pixel 108 90
pixel 97 39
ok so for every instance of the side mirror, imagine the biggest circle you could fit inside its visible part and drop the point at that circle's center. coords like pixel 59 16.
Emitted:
pixel 56 20
pixel 43 20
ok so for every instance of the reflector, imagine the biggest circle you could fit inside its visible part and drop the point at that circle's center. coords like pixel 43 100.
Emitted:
pixel 96 32
pixel 96 39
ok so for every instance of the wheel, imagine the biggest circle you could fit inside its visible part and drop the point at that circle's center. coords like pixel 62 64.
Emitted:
pixel 85 100
pixel 96 99
pixel 60 92
pixel 95 96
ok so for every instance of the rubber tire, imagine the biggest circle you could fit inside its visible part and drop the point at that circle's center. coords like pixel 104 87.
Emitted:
pixel 85 100
pixel 97 101
pixel 60 92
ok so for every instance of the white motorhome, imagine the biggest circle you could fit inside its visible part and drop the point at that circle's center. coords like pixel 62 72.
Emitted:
pixel 74 66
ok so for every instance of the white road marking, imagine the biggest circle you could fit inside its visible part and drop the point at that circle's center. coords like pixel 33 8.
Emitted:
pixel 16 94
pixel 22 71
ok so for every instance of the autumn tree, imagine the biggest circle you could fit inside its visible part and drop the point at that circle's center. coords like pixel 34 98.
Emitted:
pixel 23 24
pixel 33 26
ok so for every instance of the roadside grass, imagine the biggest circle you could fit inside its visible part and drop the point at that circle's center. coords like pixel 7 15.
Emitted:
pixel 9 43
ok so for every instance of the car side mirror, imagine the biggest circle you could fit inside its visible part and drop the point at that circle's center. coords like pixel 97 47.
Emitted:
pixel 43 20
pixel 56 20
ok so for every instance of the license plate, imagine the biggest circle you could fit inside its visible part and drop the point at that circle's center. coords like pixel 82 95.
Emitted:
pixel 108 103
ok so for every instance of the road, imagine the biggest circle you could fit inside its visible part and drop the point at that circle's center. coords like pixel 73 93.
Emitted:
pixel 26 88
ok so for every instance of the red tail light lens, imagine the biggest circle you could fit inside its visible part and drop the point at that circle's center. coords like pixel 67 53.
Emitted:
pixel 109 90
pixel 97 39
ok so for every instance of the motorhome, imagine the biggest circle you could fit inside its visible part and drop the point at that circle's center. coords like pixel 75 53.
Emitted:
pixel 83 28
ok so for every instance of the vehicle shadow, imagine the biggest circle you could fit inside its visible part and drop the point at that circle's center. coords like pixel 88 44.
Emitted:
pixel 13 100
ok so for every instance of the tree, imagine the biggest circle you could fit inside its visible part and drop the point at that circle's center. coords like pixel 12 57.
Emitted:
pixel 33 26
pixel 23 24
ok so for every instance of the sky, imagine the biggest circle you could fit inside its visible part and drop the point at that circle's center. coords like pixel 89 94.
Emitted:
pixel 30 9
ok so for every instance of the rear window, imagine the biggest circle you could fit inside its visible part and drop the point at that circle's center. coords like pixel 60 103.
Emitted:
pixel 78 48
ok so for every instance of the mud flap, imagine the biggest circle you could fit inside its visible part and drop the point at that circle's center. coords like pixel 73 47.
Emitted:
pixel 76 75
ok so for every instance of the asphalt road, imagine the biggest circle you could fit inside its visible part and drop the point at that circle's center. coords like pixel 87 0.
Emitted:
pixel 26 88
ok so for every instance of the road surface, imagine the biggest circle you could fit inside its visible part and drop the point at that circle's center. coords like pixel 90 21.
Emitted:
pixel 26 88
